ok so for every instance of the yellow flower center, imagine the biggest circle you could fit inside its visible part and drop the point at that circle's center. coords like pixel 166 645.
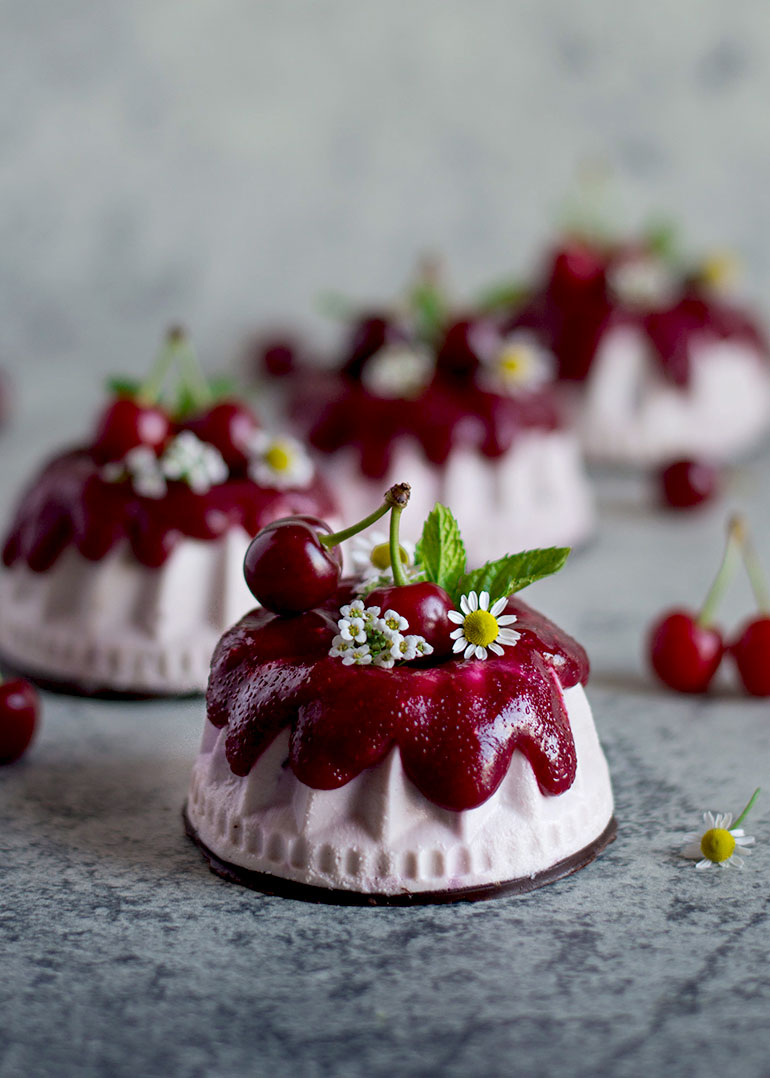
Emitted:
pixel 720 270
pixel 278 457
pixel 514 363
pixel 717 844
pixel 480 627
pixel 380 556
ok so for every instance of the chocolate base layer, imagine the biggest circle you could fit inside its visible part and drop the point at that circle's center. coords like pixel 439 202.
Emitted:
pixel 91 690
pixel 278 886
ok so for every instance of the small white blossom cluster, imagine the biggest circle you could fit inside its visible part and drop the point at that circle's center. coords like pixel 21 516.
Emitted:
pixel 186 459
pixel 367 637
pixel 642 282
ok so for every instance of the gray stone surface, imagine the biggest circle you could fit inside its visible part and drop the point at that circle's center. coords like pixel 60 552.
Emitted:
pixel 122 955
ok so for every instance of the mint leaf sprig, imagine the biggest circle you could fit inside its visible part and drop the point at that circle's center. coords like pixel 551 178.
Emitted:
pixel 441 554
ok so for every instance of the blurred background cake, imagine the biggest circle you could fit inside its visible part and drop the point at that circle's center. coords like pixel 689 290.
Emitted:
pixel 662 361
pixel 463 405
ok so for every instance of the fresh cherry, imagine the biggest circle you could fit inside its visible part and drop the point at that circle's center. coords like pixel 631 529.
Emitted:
pixel 751 654
pixel 370 334
pixel 576 269
pixel 685 654
pixel 287 568
pixel 228 425
pixel 426 608
pixel 276 356
pixel 18 718
pixel 465 344
pixel 688 483
pixel 125 424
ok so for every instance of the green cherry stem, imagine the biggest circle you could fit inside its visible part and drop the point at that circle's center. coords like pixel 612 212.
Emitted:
pixel 397 496
pixel 152 387
pixel 736 532
pixel 396 565
pixel 748 809
pixel 756 576
pixel 194 380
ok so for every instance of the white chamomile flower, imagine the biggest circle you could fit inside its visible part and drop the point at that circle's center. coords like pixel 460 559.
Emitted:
pixel 720 843
pixel 194 462
pixel 365 638
pixel 279 461
pixel 352 629
pixel 644 281
pixel 370 555
pixel 520 365
pixel 398 370
pixel 360 656
pixel 142 467
pixel 482 628
pixel 394 621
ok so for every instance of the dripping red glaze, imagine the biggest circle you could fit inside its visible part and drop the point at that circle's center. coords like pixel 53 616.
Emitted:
pixel 575 307
pixel 456 723
pixel 70 505
pixel 336 412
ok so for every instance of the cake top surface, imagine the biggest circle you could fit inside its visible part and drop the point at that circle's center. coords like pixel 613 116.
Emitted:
pixel 591 286
pixel 443 662
pixel 423 372
pixel 162 465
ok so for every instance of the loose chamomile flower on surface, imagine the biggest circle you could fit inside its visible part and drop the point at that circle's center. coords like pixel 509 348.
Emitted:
pixel 198 464
pixel 521 365
pixel 279 462
pixel 370 555
pixel 482 628
pixel 720 844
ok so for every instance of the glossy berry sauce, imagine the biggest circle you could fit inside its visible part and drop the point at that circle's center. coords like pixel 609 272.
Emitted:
pixel 337 412
pixel 456 723
pixel 575 308
pixel 70 505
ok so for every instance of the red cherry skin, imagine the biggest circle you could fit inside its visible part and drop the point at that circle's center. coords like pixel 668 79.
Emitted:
pixel 277 357
pixel 229 426
pixel 370 333
pixel 686 484
pixel 287 569
pixel 425 606
pixel 683 654
pixel 18 718
pixel 125 424
pixel 464 346
pixel 576 268
pixel 751 654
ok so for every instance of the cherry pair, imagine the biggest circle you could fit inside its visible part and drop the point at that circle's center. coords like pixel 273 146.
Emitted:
pixel 686 649
pixel 295 564
pixel 137 418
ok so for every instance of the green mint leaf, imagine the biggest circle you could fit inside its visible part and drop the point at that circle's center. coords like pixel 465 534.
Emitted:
pixel 510 574
pixel 503 296
pixel 441 549
pixel 124 387
pixel 662 239
pixel 222 386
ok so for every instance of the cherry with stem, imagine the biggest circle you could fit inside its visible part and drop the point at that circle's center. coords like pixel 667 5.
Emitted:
pixel 685 649
pixel 750 650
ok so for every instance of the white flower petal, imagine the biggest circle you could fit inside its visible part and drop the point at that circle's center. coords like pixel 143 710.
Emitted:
pixel 464 605
pixel 705 863
pixel 481 652
pixel 473 601
pixel 484 600
pixel 455 617
pixel 507 619
pixel 456 634
pixel 692 851
pixel 496 648
pixel 498 607
pixel 459 645
pixel 469 651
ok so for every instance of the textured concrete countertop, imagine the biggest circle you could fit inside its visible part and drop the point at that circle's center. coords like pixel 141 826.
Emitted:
pixel 123 955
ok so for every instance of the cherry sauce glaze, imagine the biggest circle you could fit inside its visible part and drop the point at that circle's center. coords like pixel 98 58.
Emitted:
pixel 575 307
pixel 69 504
pixel 456 723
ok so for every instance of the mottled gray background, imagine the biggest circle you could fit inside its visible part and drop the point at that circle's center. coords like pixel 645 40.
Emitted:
pixel 221 161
